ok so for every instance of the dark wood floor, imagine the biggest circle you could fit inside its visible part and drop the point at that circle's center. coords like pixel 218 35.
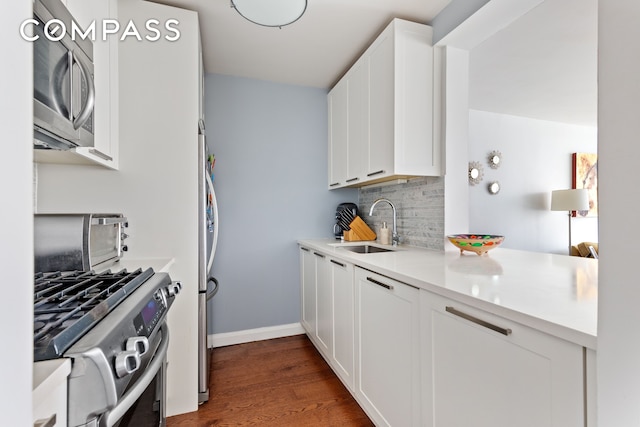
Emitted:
pixel 279 382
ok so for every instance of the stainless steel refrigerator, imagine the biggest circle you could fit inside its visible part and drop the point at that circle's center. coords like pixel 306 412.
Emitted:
pixel 207 241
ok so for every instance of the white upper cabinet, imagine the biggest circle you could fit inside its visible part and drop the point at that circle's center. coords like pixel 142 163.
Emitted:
pixel 387 124
pixel 358 122
pixel 105 59
pixel 338 134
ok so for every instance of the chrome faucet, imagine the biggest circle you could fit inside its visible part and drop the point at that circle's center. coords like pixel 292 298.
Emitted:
pixel 394 232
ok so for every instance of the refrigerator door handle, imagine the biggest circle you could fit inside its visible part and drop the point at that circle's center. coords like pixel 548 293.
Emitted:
pixel 211 293
pixel 214 241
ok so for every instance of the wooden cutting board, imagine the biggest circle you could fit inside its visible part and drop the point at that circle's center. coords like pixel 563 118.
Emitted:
pixel 359 231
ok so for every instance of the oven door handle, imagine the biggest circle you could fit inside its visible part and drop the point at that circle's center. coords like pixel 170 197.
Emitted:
pixel 110 418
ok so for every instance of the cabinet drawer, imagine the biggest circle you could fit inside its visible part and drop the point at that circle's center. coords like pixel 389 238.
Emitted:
pixel 501 372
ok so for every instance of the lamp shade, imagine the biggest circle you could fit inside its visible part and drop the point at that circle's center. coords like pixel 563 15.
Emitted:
pixel 270 13
pixel 570 200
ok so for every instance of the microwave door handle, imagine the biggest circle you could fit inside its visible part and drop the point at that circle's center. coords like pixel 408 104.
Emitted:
pixel 58 76
pixel 87 109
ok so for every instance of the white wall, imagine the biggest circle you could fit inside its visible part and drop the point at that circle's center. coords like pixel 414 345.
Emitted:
pixel 16 253
pixel 452 15
pixel 536 160
pixel 619 290
pixel 270 143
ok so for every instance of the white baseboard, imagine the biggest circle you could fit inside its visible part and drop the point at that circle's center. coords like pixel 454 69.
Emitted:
pixel 250 335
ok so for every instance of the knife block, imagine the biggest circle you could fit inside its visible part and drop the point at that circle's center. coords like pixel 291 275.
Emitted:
pixel 359 231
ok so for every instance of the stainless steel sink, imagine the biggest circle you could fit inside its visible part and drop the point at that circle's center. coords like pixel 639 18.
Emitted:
pixel 366 249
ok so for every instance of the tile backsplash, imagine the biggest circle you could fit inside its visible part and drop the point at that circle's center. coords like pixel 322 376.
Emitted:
pixel 420 210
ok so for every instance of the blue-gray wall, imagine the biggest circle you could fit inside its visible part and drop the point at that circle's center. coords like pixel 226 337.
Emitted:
pixel 270 143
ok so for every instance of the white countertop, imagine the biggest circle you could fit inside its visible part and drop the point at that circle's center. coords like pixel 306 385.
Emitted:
pixel 555 294
pixel 47 375
pixel 159 265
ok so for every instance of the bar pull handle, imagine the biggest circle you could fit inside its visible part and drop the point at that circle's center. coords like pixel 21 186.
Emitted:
pixel 100 154
pixel 499 329
pixel 334 184
pixel 304 249
pixel 352 179
pixel 338 263
pixel 375 173
pixel 318 254
pixel 384 285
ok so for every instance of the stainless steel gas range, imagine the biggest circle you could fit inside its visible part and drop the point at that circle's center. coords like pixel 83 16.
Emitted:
pixel 112 327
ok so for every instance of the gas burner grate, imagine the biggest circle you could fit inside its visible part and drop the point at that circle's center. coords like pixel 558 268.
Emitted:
pixel 68 304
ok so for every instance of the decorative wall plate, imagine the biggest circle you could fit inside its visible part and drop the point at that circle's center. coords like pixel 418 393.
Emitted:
pixel 494 187
pixel 475 173
pixel 495 159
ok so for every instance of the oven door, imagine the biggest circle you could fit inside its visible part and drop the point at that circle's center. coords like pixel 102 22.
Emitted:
pixel 143 405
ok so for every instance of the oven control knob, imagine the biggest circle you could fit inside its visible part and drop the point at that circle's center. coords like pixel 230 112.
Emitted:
pixel 174 289
pixel 161 297
pixel 127 362
pixel 139 344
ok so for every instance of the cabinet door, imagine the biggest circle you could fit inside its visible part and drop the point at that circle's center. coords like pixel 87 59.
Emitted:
pixel 105 59
pixel 338 134
pixel 324 303
pixel 201 73
pixel 381 107
pixel 308 285
pixel 343 321
pixel 358 122
pixel 387 334
pixel 485 371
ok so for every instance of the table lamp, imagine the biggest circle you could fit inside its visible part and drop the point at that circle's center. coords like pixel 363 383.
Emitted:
pixel 570 200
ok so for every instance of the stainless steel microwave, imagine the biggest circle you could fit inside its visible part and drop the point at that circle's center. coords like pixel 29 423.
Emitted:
pixel 63 90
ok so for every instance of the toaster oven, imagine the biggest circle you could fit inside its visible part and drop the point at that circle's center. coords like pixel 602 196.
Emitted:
pixel 69 242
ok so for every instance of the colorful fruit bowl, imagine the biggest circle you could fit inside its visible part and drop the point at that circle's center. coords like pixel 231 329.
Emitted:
pixel 478 243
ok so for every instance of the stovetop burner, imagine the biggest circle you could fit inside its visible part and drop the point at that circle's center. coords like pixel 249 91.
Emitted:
pixel 68 304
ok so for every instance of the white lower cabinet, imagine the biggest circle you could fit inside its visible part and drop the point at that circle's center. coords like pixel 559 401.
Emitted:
pixel 387 349
pixel 324 303
pixel 414 358
pixel 308 288
pixel 481 370
pixel 50 392
pixel 327 310
pixel 343 356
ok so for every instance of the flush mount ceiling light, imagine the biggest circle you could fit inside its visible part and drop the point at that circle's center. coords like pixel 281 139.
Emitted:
pixel 270 13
